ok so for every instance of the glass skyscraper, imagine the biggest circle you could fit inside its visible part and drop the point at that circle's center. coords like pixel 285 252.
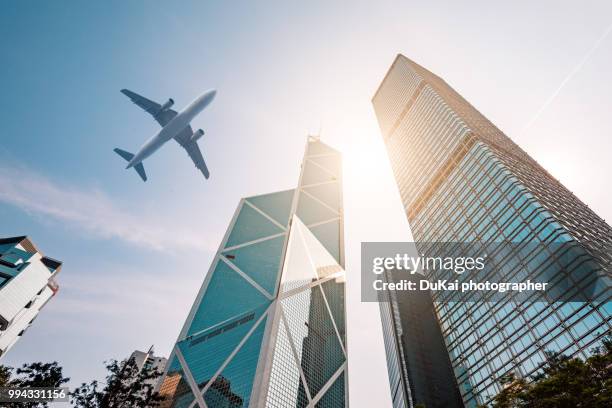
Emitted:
pixel 267 328
pixel 462 180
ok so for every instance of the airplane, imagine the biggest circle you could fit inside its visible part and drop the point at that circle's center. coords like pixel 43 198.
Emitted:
pixel 175 125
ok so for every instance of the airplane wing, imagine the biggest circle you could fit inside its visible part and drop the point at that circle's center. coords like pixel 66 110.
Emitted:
pixel 153 108
pixel 193 150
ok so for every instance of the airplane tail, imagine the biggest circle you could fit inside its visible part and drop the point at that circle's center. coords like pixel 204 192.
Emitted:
pixel 129 156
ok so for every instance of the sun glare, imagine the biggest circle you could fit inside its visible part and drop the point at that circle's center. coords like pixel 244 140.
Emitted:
pixel 365 163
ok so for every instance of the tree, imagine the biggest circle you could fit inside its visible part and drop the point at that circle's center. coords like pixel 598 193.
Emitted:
pixel 5 375
pixel 563 381
pixel 127 386
pixel 31 376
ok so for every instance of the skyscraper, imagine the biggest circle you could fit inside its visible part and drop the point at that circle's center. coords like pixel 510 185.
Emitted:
pixel 148 360
pixel 27 283
pixel 267 328
pixel 462 180
pixel 419 367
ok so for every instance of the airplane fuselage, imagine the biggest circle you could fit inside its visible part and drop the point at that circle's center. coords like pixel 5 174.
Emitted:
pixel 173 128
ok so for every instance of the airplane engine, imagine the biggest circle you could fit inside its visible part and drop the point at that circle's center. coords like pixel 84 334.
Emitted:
pixel 196 135
pixel 168 104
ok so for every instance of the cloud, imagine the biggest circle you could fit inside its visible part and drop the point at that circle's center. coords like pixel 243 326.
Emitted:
pixel 133 293
pixel 107 313
pixel 93 212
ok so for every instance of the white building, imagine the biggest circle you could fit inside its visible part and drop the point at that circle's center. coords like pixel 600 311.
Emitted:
pixel 27 282
pixel 146 358
pixel 149 360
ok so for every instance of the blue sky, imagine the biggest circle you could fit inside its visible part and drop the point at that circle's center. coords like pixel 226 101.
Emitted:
pixel 135 253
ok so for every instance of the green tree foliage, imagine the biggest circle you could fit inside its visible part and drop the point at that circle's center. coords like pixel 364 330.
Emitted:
pixel 32 375
pixel 5 376
pixel 126 387
pixel 563 382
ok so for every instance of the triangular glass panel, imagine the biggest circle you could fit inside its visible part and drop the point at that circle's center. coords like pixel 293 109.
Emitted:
pixel 334 290
pixel 314 336
pixel 328 193
pixel 296 309
pixel 319 148
pixel 325 264
pixel 332 163
pixel 260 261
pixel 298 270
pixel 276 205
pixel 175 389
pixel 311 211
pixel 328 234
pixel 206 351
pixel 335 396
pixel 314 174
pixel 250 225
pixel 227 296
pixel 232 388
pixel 286 388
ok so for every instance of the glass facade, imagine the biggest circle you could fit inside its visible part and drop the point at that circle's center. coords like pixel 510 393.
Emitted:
pixel 268 326
pixel 394 348
pixel 418 364
pixel 462 180
pixel 27 283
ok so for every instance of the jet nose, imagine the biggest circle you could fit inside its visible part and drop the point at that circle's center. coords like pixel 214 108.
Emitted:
pixel 207 98
pixel 211 95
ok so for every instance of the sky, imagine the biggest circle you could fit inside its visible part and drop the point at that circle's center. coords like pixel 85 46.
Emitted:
pixel 135 254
